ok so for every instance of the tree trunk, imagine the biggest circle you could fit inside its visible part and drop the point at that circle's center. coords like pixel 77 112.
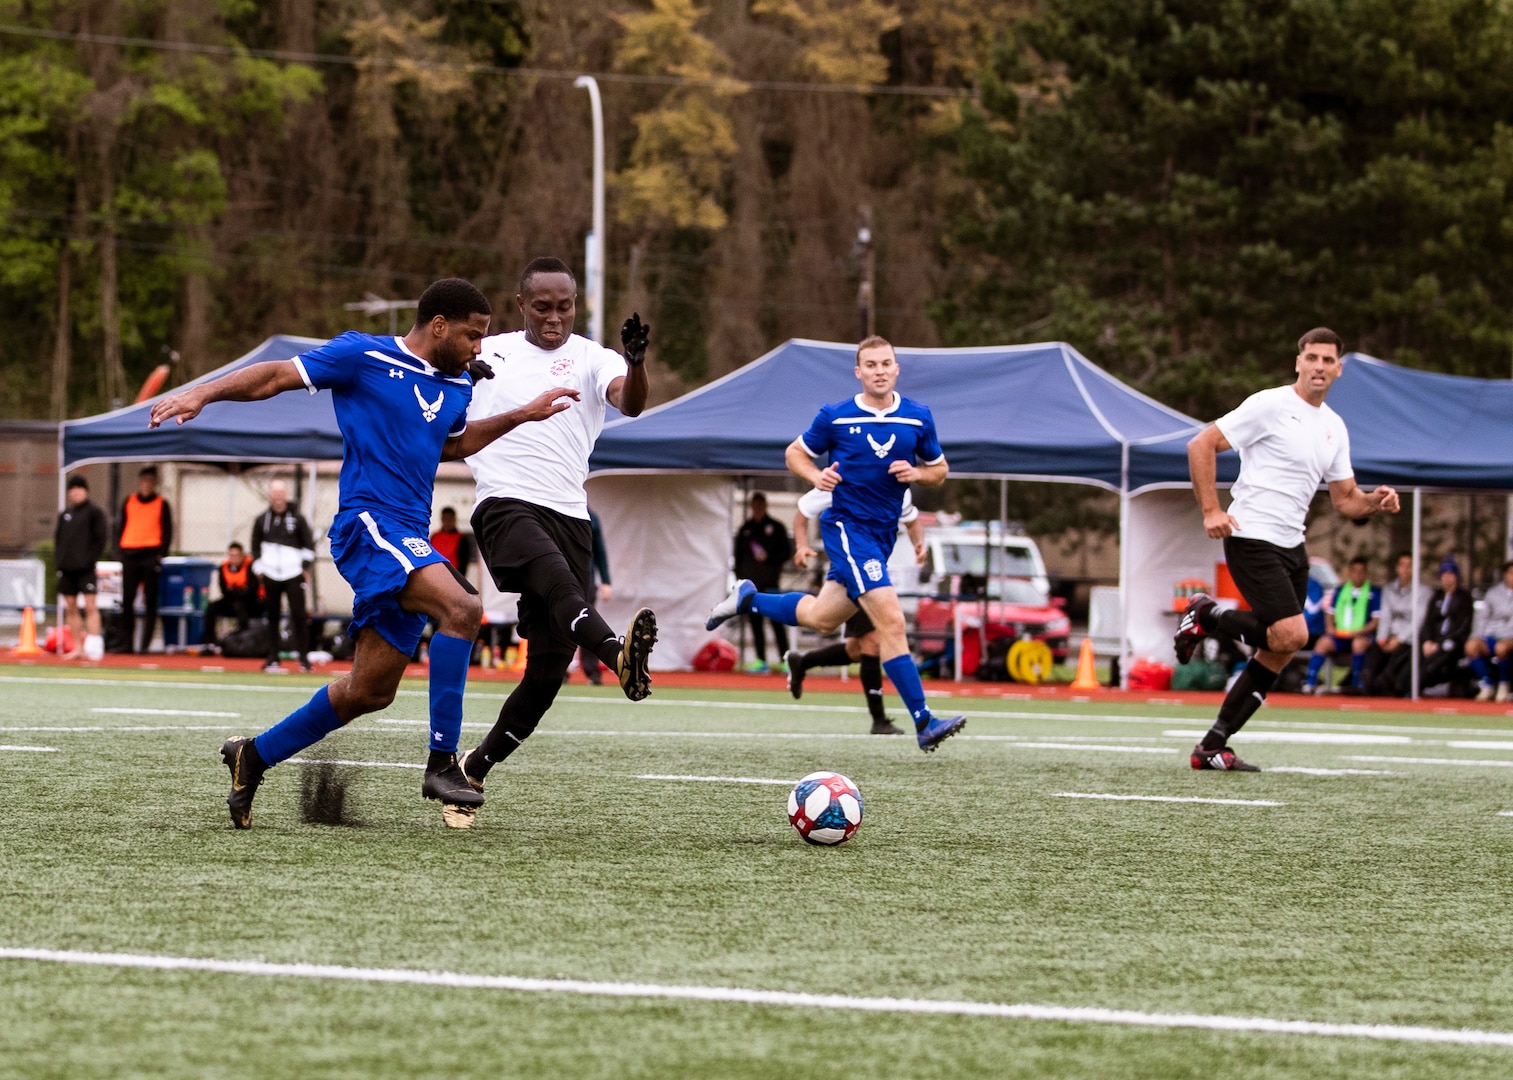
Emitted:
pixel 113 375
pixel 63 339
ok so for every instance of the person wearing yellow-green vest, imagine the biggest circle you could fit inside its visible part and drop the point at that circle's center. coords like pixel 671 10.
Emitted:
pixel 1350 618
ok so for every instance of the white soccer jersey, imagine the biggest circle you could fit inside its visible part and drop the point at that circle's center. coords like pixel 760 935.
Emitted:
pixel 544 462
pixel 1287 447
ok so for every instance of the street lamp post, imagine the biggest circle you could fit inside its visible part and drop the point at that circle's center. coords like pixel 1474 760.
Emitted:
pixel 594 270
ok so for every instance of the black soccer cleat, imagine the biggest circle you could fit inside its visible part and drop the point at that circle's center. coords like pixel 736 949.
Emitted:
pixel 886 727
pixel 247 770
pixel 1222 760
pixel 448 785
pixel 794 661
pixel 632 667
pixel 1190 631
pixel 457 815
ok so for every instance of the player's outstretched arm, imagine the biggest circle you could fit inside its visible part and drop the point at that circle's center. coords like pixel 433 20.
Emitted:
pixel 1203 451
pixel 1351 501
pixel 479 433
pixel 251 383
pixel 629 392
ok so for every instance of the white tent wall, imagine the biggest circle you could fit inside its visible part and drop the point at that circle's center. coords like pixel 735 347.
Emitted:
pixel 668 539
pixel 1165 543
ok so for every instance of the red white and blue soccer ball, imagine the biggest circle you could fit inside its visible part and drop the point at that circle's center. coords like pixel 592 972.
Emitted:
pixel 825 808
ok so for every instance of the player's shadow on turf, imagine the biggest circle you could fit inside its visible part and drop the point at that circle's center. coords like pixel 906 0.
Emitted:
pixel 324 798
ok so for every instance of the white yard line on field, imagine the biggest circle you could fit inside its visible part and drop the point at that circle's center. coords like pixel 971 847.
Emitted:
pixel 1328 772
pixel 166 712
pixel 811 1003
pixel 1304 737
pixel 132 728
pixel 361 764
pixel 1163 798
pixel 718 779
pixel 30 749
pixel 1469 763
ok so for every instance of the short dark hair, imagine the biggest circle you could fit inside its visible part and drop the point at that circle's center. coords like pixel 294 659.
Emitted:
pixel 544 264
pixel 235 545
pixel 1506 565
pixel 454 299
pixel 77 482
pixel 147 470
pixel 449 510
pixel 1322 335
pixel 1400 556
pixel 1358 559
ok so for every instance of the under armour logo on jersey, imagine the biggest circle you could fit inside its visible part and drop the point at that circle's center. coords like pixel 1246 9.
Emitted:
pixel 430 409
pixel 395 373
pixel 881 449
pixel 853 431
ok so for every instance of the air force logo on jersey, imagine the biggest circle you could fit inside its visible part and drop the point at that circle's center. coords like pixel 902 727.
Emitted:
pixel 429 409
pixel 881 449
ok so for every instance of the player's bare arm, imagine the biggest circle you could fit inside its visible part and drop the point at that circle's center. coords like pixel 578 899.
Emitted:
pixel 800 464
pixel 916 533
pixel 924 475
pixel 479 433
pixel 802 552
pixel 1353 502
pixel 254 382
pixel 628 393
pixel 1203 452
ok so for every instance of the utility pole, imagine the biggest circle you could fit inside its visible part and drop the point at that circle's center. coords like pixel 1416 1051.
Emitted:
pixel 594 257
pixel 866 298
pixel 373 304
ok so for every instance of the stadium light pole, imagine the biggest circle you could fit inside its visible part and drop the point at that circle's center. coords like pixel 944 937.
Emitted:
pixel 594 270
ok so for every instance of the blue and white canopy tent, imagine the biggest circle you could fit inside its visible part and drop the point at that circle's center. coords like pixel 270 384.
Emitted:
pixel 1022 412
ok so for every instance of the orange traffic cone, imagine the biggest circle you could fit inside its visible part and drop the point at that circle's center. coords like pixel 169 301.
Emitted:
pixel 519 664
pixel 27 646
pixel 1087 674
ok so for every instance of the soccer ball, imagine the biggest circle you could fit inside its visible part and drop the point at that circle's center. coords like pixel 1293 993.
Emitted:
pixel 825 808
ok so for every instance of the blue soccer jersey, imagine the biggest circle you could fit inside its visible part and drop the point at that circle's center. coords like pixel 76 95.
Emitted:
pixel 862 442
pixel 395 412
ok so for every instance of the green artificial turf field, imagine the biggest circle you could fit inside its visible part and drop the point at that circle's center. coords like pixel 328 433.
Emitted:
pixel 1366 892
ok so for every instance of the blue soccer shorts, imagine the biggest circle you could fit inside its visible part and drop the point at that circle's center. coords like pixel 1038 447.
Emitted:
pixel 858 554
pixel 376 555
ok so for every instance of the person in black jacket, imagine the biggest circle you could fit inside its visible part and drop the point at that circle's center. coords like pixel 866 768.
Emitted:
pixel 761 549
pixel 282 553
pixel 79 540
pixel 1447 625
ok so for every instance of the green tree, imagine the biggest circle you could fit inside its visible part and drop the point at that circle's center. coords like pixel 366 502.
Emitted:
pixel 1181 187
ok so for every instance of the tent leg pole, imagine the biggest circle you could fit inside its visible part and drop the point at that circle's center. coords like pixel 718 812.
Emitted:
pixel 1418 522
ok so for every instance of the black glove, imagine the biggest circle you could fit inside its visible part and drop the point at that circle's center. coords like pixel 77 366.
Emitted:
pixel 479 370
pixel 633 336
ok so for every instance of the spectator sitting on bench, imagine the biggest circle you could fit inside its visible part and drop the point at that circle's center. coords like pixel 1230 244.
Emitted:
pixel 1447 625
pixel 1494 645
pixel 1350 620
pixel 238 594
pixel 1390 657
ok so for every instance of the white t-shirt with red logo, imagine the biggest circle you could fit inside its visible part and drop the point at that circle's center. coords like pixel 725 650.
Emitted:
pixel 544 462
pixel 1287 448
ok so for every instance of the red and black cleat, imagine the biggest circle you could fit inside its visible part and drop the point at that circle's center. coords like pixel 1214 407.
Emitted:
pixel 1223 760
pixel 1190 631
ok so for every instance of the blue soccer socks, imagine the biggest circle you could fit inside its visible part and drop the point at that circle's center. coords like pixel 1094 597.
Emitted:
pixel 305 726
pixel 449 678
pixel 904 676
pixel 779 607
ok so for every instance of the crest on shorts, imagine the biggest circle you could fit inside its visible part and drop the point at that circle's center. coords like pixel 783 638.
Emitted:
pixel 418 547
pixel 873 569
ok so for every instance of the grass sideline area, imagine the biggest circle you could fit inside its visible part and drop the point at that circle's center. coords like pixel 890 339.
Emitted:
pixel 1026 863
